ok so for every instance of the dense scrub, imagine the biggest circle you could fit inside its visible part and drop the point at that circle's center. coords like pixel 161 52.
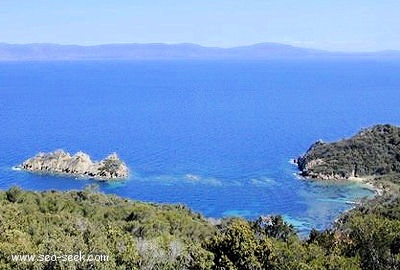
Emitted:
pixel 372 152
pixel 372 232
pixel 133 234
pixel 147 236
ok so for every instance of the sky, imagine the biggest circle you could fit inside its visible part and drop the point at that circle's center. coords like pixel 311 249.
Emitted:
pixel 335 25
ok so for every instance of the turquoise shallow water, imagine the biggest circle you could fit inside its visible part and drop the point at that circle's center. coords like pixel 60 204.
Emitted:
pixel 216 136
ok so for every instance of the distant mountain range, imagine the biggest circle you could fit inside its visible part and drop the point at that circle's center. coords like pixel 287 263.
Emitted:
pixel 160 51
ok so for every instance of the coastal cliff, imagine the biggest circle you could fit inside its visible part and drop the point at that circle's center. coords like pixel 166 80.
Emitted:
pixel 80 164
pixel 373 152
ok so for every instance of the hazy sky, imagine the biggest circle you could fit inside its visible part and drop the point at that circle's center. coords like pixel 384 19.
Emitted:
pixel 350 25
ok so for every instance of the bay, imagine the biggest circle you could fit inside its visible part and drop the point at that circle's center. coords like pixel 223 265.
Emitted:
pixel 217 136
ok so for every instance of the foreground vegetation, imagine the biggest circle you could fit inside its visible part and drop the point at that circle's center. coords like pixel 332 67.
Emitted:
pixel 137 235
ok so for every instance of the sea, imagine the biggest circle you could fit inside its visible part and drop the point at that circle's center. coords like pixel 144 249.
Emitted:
pixel 217 136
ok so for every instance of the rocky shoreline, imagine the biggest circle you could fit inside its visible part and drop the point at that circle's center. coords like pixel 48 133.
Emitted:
pixel 371 157
pixel 77 165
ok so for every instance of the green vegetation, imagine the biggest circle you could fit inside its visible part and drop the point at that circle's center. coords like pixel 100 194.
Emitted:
pixel 110 166
pixel 372 232
pixel 138 235
pixel 371 152
pixel 134 235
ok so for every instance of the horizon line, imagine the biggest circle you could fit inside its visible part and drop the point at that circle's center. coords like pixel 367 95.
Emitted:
pixel 200 45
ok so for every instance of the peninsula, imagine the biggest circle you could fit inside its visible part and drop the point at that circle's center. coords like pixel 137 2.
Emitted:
pixel 372 153
pixel 79 165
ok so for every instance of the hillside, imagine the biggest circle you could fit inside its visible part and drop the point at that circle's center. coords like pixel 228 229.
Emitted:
pixel 132 234
pixel 372 152
pixel 124 234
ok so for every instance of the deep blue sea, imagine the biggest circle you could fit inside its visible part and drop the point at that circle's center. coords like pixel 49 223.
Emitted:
pixel 216 136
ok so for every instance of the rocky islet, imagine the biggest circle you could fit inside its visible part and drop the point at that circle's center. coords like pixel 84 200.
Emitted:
pixel 79 165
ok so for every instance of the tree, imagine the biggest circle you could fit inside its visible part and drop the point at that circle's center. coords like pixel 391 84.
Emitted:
pixel 236 246
pixel 13 194
pixel 274 226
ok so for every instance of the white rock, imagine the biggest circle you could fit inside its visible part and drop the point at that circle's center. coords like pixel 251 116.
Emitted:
pixel 80 164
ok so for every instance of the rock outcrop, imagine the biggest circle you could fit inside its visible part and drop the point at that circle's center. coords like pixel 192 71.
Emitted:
pixel 371 152
pixel 79 165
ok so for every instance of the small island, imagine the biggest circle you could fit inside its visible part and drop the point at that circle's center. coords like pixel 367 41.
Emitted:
pixel 77 165
pixel 371 154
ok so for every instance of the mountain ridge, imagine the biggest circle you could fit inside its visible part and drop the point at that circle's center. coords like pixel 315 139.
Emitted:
pixel 163 51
